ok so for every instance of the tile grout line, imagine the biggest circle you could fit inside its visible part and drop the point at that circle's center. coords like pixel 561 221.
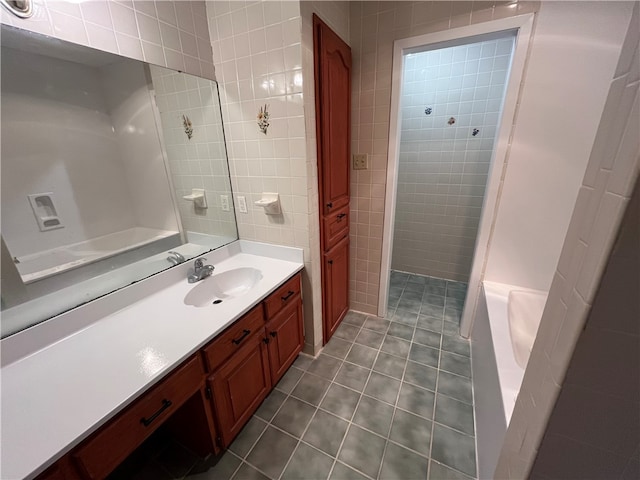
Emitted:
pixel 350 423
pixel 331 381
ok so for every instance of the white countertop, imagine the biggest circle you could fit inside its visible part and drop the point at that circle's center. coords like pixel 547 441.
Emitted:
pixel 56 396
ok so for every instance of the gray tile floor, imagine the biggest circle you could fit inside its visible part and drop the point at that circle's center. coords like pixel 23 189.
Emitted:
pixel 386 399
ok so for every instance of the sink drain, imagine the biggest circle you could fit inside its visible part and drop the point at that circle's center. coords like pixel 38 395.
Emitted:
pixel 216 302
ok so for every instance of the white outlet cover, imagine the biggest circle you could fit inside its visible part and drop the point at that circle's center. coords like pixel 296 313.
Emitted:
pixel 242 204
pixel 224 202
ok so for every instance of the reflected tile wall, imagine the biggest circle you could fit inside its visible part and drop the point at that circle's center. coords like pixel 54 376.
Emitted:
pixel 199 161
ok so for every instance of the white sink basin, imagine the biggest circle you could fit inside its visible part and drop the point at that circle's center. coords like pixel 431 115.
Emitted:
pixel 222 286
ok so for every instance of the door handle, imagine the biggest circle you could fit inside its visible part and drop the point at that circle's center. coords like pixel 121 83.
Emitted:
pixel 341 216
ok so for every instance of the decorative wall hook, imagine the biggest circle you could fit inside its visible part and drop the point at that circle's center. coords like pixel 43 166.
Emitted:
pixel 263 119
pixel 451 121
pixel 428 110
pixel 188 126
pixel 475 132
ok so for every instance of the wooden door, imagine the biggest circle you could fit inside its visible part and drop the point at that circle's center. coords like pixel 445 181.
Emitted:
pixel 286 338
pixel 336 295
pixel 240 385
pixel 332 63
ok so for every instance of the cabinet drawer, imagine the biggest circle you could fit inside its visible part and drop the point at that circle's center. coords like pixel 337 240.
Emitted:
pixel 233 338
pixel 282 297
pixel 336 227
pixel 105 450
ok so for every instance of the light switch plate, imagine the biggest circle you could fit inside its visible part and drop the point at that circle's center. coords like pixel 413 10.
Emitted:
pixel 242 204
pixel 360 161
pixel 224 202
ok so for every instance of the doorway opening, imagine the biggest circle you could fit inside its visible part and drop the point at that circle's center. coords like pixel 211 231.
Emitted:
pixel 451 94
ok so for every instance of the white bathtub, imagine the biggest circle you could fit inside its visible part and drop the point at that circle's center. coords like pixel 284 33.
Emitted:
pixel 504 329
pixel 52 262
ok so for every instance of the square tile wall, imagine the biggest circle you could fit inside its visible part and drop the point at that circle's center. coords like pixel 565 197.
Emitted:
pixel 264 54
pixel 373 28
pixel 199 161
pixel 443 168
pixel 171 34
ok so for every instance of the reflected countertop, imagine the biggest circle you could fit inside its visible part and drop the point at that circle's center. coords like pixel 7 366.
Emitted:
pixel 56 395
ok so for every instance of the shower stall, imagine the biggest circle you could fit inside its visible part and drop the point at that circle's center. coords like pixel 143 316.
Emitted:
pixel 450 107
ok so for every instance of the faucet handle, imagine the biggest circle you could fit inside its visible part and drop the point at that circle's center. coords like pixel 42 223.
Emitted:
pixel 199 263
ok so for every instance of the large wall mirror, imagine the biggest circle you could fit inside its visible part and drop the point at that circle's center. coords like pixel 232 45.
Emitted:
pixel 112 170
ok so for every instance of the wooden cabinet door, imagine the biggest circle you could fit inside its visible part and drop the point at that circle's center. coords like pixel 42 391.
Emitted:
pixel 240 385
pixel 333 102
pixel 336 295
pixel 286 338
pixel 332 69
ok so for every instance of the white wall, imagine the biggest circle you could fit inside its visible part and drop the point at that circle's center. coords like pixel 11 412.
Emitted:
pixel 167 33
pixel 612 170
pixel 572 59
pixel 128 99
pixel 442 168
pixel 52 141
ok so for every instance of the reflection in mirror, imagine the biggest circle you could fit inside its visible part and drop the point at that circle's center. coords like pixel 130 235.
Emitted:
pixel 112 170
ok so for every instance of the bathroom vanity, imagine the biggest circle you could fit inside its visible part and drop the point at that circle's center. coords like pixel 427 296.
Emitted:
pixel 76 407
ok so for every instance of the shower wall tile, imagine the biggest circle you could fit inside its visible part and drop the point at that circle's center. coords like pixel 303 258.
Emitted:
pixel 137 30
pixel 443 168
pixel 373 28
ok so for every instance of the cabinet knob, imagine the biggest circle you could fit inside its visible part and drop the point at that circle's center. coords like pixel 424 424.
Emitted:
pixel 330 205
pixel 330 262
pixel 273 334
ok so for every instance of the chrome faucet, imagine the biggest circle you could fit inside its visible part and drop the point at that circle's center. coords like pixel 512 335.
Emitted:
pixel 175 258
pixel 200 270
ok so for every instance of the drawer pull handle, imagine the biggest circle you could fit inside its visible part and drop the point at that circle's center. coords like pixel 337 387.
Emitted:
pixel 287 296
pixel 330 205
pixel 341 216
pixel 147 421
pixel 237 341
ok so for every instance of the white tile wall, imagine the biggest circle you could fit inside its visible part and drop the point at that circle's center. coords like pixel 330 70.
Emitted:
pixel 258 50
pixel 173 34
pixel 373 28
pixel 591 234
pixel 199 162
pixel 443 168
